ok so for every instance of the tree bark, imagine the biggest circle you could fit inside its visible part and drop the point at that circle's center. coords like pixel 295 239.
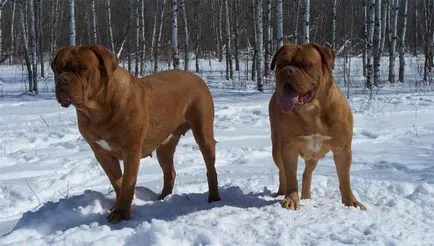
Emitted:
pixel 236 8
pixel 402 42
pixel 94 35
pixel 334 24
pixel 186 41
pixel 279 29
pixel 32 45
pixel 25 43
pixel 259 45
pixel 229 71
pixel 392 47
pixel 369 66
pixel 71 22
pixel 267 35
pixel 306 20
pixel 160 32
pixel 376 42
pixel 175 52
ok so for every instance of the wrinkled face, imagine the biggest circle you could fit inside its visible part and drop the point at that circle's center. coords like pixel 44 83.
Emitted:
pixel 300 70
pixel 79 72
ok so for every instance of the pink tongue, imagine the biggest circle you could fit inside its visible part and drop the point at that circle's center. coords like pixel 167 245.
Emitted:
pixel 288 99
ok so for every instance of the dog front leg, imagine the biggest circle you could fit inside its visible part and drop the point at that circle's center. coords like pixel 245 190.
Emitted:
pixel 342 160
pixel 122 210
pixel 290 158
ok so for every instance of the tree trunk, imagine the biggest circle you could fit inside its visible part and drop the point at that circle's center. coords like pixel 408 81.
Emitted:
pixel 197 33
pixel 259 45
pixel 12 36
pixel 267 36
pixel 53 38
pixel 160 32
pixel 255 41
pixel 71 22
pixel 279 20
pixel 236 8
pixel 334 24
pixel 365 36
pixel 93 31
pixel 306 20
pixel 142 37
pixel 154 29
pixel 32 45
pixel 229 71
pixel 25 43
pixel 296 35
pixel 220 32
pixel 109 25
pixel 393 29
pixel 39 32
pixel 175 53
pixel 184 22
pixel 138 35
pixel 369 67
pixel 376 42
pixel 402 42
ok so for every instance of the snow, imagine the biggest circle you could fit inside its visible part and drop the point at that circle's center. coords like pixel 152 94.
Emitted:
pixel 53 191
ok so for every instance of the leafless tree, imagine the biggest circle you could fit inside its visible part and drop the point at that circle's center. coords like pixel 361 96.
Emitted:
pixel 377 42
pixel 403 25
pixel 369 53
pixel 259 45
pixel 306 21
pixel 186 41
pixel 229 69
pixel 393 37
pixel 93 22
pixel 279 20
pixel 71 22
pixel 175 52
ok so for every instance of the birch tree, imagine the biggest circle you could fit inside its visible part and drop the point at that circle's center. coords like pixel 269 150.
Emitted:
pixel 376 42
pixel 370 35
pixel 236 8
pixel 306 20
pixel 186 41
pixel 39 35
pixel 229 70
pixel 32 45
pixel 279 20
pixel 54 9
pixel 109 25
pixel 267 36
pixel 160 31
pixel 402 41
pixel 93 31
pixel 142 42
pixel 259 45
pixel 393 38
pixel 25 44
pixel 71 22
pixel 175 52
pixel 334 24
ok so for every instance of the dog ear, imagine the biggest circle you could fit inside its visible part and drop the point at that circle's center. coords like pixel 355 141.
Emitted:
pixel 327 54
pixel 106 58
pixel 60 52
pixel 289 47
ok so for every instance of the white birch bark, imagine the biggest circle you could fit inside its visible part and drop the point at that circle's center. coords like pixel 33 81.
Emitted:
pixel 229 71
pixel 279 20
pixel 186 41
pixel 334 24
pixel 259 45
pixel 109 25
pixel 71 23
pixel 369 53
pixel 175 51
pixel 376 42
pixel 236 8
pixel 402 42
pixel 54 9
pixel 142 37
pixel 32 44
pixel 160 31
pixel 25 44
pixel 393 29
pixel 267 36
pixel 306 21
pixel 94 35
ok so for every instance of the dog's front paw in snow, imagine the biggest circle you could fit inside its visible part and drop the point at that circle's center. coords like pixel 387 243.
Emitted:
pixel 291 201
pixel 116 215
pixel 351 201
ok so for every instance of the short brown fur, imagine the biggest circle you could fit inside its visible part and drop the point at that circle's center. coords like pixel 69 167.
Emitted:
pixel 134 116
pixel 312 129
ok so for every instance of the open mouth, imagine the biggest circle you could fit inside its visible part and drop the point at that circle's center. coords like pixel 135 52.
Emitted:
pixel 289 97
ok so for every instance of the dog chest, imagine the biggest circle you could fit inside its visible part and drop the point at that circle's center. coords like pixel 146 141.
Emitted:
pixel 313 147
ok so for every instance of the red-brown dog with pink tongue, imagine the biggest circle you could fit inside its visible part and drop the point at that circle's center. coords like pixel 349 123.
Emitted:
pixel 309 116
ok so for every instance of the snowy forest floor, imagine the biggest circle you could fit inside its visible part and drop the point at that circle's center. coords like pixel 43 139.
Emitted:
pixel 53 191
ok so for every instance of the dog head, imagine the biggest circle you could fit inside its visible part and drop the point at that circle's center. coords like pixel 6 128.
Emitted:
pixel 80 72
pixel 301 71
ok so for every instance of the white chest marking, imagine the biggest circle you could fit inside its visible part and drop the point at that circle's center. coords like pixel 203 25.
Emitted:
pixel 104 144
pixel 315 142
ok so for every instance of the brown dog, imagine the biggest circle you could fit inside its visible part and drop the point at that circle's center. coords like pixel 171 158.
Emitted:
pixel 125 118
pixel 309 116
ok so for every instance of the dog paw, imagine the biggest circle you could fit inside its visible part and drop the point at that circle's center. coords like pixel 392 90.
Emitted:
pixel 278 193
pixel 352 202
pixel 291 201
pixel 116 215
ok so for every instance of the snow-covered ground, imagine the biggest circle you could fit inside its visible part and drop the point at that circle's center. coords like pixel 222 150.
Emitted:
pixel 53 191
